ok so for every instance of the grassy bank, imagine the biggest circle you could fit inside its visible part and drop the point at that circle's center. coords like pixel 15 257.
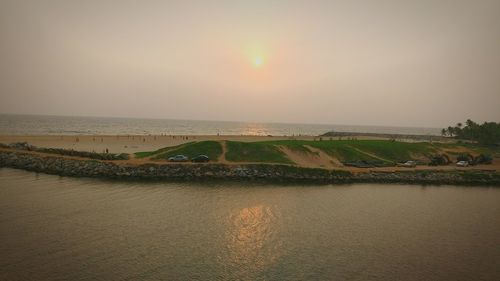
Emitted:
pixel 389 152
pixel 263 152
pixel 377 152
pixel 212 149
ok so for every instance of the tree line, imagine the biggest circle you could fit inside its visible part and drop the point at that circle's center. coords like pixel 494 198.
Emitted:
pixel 486 133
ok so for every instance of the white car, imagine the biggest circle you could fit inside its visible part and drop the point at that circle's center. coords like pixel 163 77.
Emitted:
pixel 178 158
pixel 462 164
pixel 408 164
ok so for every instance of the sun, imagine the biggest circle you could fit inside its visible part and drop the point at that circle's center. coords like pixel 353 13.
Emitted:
pixel 257 62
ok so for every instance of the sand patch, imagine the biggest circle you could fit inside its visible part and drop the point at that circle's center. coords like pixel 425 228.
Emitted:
pixel 314 159
pixel 325 157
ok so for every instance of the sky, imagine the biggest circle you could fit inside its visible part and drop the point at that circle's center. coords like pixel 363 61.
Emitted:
pixel 425 63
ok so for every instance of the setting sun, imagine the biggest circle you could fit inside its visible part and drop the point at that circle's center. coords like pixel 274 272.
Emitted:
pixel 257 62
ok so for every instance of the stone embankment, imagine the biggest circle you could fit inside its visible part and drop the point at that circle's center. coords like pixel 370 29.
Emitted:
pixel 65 166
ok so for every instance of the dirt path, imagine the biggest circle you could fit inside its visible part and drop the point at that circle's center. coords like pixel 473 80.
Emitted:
pixel 222 157
pixel 370 154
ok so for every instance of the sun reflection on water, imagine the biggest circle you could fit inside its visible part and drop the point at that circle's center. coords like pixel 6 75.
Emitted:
pixel 254 129
pixel 251 245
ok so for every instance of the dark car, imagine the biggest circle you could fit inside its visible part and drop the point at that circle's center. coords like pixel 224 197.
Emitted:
pixel 201 158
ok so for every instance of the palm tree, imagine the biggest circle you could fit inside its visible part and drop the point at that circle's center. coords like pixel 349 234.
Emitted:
pixel 470 123
pixel 458 129
pixel 443 132
pixel 451 131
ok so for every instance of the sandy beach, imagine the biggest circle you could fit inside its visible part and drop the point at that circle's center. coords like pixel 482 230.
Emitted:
pixel 127 144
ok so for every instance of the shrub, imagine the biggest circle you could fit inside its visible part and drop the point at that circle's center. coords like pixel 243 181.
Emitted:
pixel 483 159
pixel 439 160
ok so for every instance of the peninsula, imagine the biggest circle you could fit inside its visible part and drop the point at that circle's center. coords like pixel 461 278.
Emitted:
pixel 322 159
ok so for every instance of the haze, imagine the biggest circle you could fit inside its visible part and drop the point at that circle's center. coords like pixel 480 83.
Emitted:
pixel 396 63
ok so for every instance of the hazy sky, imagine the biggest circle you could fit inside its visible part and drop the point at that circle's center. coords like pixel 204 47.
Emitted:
pixel 409 63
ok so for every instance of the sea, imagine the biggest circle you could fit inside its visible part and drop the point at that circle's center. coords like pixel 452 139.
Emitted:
pixel 71 125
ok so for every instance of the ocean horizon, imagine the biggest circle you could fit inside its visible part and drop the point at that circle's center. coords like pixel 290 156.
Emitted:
pixel 17 124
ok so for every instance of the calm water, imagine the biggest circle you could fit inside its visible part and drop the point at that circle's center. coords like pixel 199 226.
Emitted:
pixel 55 125
pixel 55 228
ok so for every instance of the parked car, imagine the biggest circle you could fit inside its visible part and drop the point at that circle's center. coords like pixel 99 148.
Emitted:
pixel 201 158
pixel 408 164
pixel 178 158
pixel 462 164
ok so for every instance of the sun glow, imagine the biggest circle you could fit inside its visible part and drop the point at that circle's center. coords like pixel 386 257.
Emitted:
pixel 257 62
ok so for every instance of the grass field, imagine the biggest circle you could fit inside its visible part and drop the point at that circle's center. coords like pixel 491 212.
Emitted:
pixel 363 150
pixel 384 152
pixel 144 154
pixel 264 152
pixel 395 151
pixel 212 149
pixel 494 151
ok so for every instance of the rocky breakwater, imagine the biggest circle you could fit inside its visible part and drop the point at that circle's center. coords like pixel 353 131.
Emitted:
pixel 64 166
pixel 107 169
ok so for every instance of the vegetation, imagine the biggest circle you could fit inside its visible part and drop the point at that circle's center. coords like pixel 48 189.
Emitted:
pixel 486 133
pixel 395 151
pixel 483 159
pixel 85 154
pixel 359 153
pixel 346 152
pixel 145 154
pixel 480 159
pixel 212 149
pixel 68 152
pixel 385 151
pixel 255 152
pixel 439 160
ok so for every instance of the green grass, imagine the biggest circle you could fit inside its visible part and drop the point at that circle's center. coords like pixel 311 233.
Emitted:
pixel 212 149
pixel 362 150
pixel 389 152
pixel 263 152
pixel 394 151
pixel 144 154
pixel 341 150
pixel 494 151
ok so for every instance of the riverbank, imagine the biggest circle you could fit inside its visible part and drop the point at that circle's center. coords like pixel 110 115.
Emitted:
pixel 77 167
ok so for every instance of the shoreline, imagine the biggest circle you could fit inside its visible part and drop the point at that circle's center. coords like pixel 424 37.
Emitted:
pixel 136 143
pixel 74 167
